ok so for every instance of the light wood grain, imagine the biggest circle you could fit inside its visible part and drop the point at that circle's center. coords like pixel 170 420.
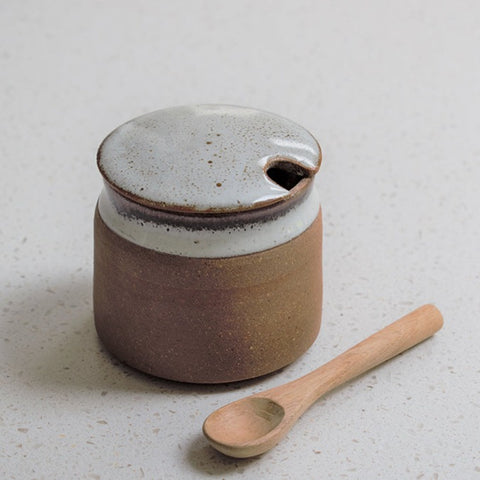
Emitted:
pixel 255 424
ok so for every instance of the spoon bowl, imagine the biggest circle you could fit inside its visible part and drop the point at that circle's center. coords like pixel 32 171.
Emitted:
pixel 244 425
pixel 255 424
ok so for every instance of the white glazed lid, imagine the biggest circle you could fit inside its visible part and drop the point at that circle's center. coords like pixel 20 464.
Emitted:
pixel 209 158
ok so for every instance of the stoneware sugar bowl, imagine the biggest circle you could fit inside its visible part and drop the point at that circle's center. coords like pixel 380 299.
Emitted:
pixel 208 243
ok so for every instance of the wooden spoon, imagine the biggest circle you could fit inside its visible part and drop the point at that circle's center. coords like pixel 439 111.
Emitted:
pixel 255 424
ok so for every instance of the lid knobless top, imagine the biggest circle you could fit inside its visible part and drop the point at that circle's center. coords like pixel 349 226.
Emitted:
pixel 209 158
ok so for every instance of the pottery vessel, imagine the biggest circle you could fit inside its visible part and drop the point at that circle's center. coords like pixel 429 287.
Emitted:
pixel 208 243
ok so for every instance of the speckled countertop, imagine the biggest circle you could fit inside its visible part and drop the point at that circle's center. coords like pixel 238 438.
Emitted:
pixel 391 90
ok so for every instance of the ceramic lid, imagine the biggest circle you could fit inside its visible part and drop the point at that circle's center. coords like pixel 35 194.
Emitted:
pixel 209 158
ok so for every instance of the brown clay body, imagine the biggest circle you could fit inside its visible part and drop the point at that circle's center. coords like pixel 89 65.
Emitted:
pixel 207 320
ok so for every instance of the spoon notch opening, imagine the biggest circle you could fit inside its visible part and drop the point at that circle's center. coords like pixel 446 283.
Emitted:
pixel 286 173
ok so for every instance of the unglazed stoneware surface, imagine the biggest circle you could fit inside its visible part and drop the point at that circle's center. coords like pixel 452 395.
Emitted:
pixel 208 243
pixel 208 320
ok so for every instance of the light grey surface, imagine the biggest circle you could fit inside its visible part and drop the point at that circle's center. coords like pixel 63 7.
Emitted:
pixel 391 90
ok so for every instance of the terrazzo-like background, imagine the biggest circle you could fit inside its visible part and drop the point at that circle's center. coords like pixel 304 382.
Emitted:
pixel 392 92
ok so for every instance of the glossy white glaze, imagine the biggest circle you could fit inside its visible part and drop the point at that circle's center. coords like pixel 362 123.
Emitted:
pixel 229 242
pixel 204 157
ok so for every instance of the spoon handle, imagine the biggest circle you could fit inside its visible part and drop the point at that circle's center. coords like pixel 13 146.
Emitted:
pixel 376 349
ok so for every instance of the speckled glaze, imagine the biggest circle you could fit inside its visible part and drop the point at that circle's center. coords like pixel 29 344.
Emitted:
pixel 204 158
pixel 208 243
